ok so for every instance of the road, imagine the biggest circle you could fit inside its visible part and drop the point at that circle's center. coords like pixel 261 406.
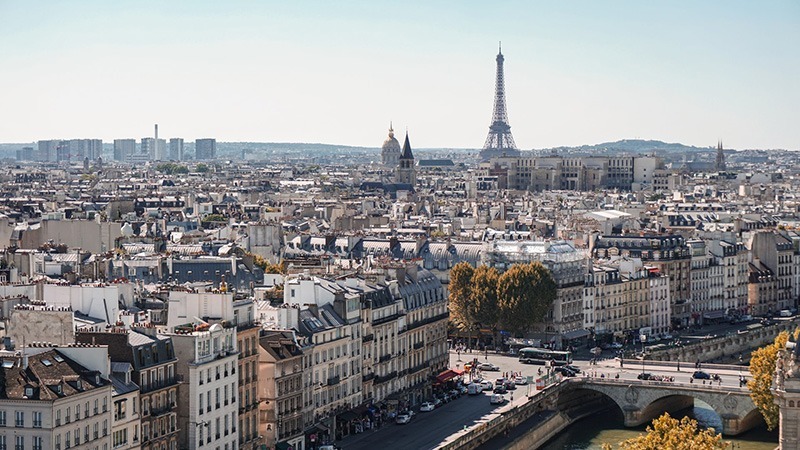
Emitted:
pixel 427 429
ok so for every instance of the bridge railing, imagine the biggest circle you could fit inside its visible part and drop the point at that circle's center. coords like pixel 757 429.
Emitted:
pixel 696 385
pixel 685 365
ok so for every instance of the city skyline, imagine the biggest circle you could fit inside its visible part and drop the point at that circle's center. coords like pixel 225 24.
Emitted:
pixel 575 74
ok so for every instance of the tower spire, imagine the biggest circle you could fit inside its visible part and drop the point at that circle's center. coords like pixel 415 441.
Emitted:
pixel 499 141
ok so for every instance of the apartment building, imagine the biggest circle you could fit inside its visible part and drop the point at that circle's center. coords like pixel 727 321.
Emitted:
pixel 773 251
pixel 51 401
pixel 125 409
pixel 618 298
pixel 381 307
pixel 707 284
pixel 734 257
pixel 154 363
pixel 281 390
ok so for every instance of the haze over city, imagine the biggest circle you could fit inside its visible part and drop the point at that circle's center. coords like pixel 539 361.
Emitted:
pixel 338 72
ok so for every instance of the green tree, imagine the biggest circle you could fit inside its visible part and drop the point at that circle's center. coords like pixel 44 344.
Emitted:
pixel 171 168
pixel 201 168
pixel 460 286
pixel 525 293
pixel 668 433
pixel 269 267
pixel 762 367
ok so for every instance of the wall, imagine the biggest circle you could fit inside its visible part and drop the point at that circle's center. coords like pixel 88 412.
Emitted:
pixel 37 325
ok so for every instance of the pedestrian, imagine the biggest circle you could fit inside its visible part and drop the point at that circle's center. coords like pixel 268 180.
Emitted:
pixel 679 366
pixel 720 380
pixel 691 380
pixel 512 397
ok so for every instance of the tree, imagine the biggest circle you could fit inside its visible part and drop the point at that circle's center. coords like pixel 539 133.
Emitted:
pixel 484 295
pixel 201 168
pixel 171 168
pixel 268 267
pixel 670 433
pixel 762 367
pixel 525 293
pixel 460 288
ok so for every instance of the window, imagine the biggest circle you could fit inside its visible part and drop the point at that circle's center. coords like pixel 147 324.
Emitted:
pixel 2 418
pixel 19 418
pixel 19 442
pixel 58 442
pixel 77 436
pixel 105 404
pixel 66 440
pixel 201 403
pixel 96 409
pixel 120 408
pixel 37 419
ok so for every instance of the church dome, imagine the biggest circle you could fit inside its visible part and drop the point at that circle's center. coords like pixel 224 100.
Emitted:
pixel 391 144
pixel 390 151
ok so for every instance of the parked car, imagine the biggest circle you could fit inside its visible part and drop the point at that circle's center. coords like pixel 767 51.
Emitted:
pixel 575 369
pixel 700 375
pixel 644 376
pixel 500 380
pixel 500 389
pixel 489 367
pixel 437 402
pixel 474 389
pixel 426 407
pixel 454 393
pixel 487 385
pixel 510 385
pixel 402 419
pixel 522 381
pixel 497 399
pixel 462 389
pixel 785 313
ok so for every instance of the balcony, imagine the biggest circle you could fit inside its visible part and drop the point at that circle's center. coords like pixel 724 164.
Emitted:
pixel 418 367
pixel 424 322
pixel 419 345
pixel 367 377
pixel 368 338
pixel 385 378
pixel 385 358
pixel 387 319
pixel 332 381
pixel 165 383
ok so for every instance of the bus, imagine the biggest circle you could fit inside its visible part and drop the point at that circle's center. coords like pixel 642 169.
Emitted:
pixel 532 355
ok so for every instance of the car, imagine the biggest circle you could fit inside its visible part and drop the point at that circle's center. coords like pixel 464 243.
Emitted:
pixel 564 371
pixel 437 402
pixel 474 389
pixel 700 375
pixel 499 381
pixel 500 389
pixel 426 407
pixel 489 367
pixel 454 393
pixel 575 369
pixel 644 376
pixel 497 399
pixel 767 322
pixel 444 398
pixel 510 385
pixel 616 345
pixel 785 313
pixel 462 389
pixel 402 419
pixel 667 336
pixel 487 385
pixel 522 381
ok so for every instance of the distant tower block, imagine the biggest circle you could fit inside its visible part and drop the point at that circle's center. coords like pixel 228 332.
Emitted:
pixel 720 163
pixel 499 142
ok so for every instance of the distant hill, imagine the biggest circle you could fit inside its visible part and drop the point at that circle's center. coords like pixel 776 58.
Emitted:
pixel 637 146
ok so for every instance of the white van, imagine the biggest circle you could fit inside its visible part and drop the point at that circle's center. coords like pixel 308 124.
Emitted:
pixel 474 389
pixel 785 313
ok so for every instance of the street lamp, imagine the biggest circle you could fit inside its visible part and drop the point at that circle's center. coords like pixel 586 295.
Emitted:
pixel 547 364
pixel 643 339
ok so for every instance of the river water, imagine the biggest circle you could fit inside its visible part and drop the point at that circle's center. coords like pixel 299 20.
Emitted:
pixel 591 432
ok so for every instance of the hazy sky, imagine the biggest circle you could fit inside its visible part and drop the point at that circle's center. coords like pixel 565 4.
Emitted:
pixel 577 72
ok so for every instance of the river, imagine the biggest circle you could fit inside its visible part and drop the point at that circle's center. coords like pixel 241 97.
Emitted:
pixel 591 432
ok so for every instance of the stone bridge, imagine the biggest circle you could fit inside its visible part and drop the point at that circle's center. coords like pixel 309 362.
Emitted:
pixel 642 401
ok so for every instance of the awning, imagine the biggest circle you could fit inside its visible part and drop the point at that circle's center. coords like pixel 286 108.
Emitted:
pixel 718 314
pixel 575 334
pixel 448 375
pixel 348 415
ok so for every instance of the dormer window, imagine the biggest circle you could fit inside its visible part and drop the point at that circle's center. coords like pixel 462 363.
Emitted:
pixel 79 384
pixel 29 392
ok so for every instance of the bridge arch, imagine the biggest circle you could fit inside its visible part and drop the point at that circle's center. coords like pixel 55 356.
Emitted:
pixel 580 402
pixel 640 402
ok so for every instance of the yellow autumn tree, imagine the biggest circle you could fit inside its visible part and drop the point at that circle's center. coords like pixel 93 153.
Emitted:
pixel 668 433
pixel 762 367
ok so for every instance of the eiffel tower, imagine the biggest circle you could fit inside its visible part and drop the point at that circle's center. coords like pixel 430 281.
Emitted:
pixel 499 142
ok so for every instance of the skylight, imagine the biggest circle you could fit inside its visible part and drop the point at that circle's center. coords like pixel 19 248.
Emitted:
pixel 47 362
pixel 7 364
pixel 58 358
